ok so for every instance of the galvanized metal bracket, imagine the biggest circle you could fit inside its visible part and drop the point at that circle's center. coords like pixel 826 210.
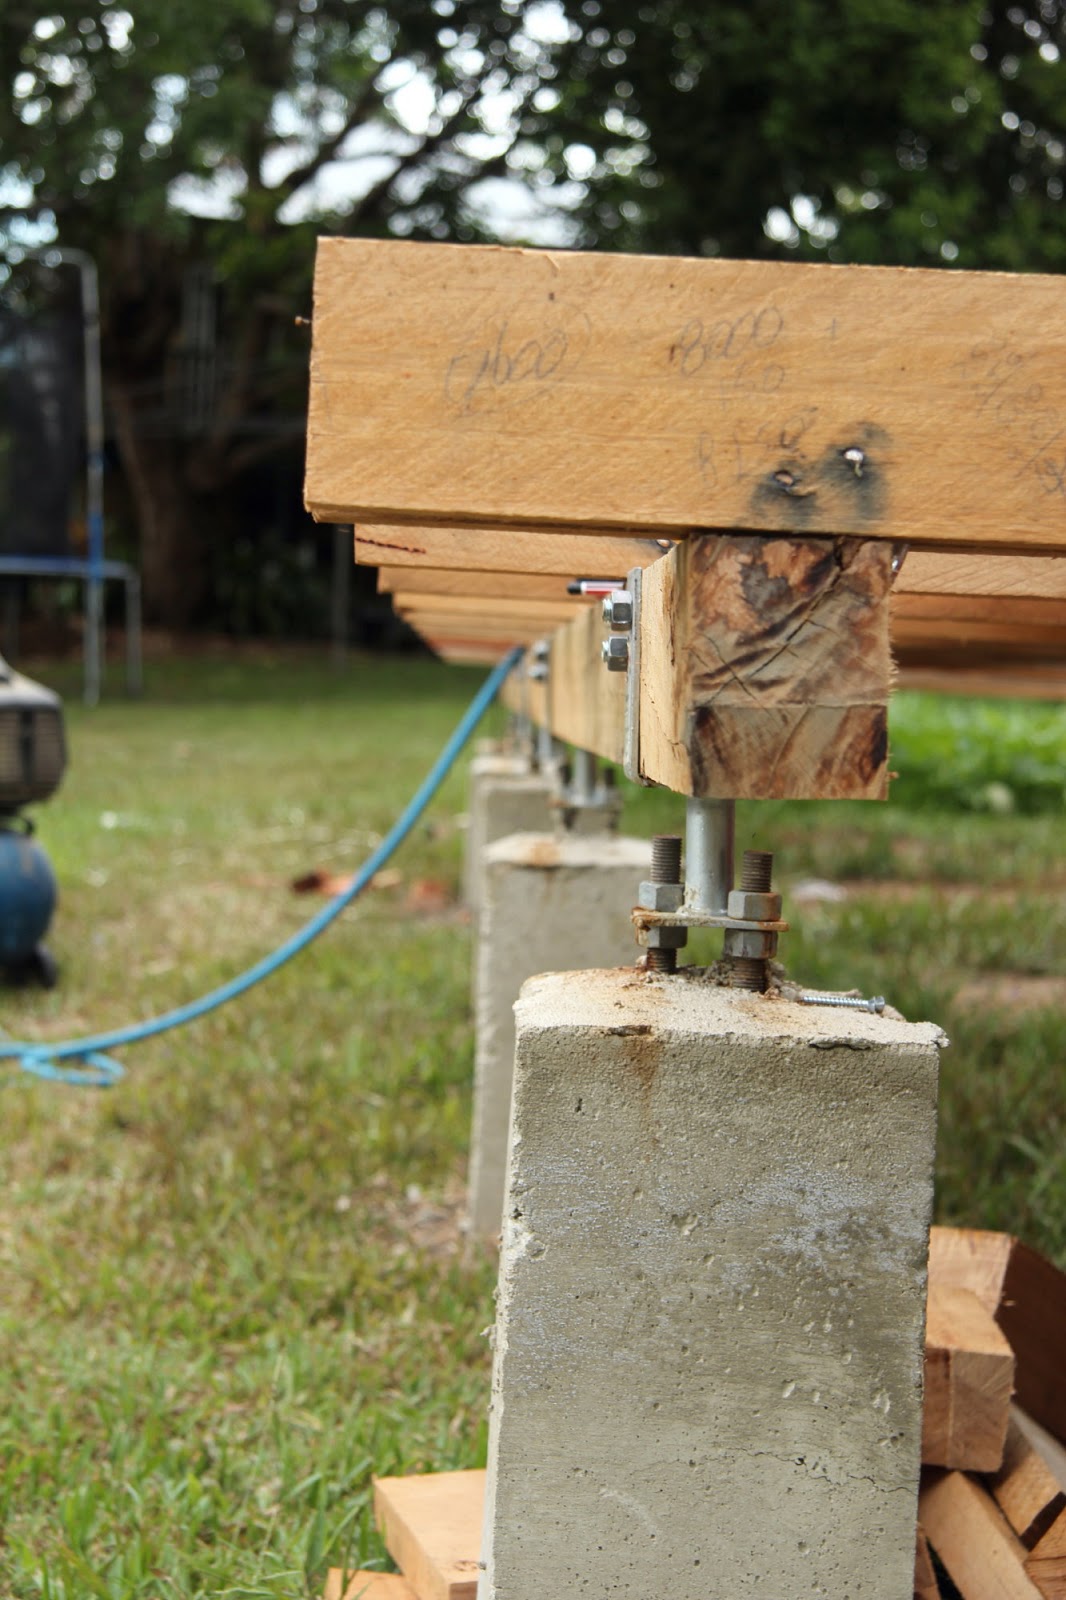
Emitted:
pixel 631 740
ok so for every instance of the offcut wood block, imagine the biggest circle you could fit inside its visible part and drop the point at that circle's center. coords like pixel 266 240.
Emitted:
pixel 551 902
pixel 505 796
pixel 430 1523
pixel 711 1304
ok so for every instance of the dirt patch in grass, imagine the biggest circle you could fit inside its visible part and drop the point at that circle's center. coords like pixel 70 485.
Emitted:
pixel 1012 993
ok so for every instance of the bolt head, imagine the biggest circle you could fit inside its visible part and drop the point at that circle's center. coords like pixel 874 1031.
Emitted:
pixel 755 946
pixel 618 609
pixel 616 654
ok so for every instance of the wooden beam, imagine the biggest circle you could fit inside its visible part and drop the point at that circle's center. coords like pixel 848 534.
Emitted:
pixel 765 670
pixel 605 555
pixel 1041 680
pixel 542 614
pixel 511 550
pixel 545 388
pixel 969 1379
pixel 955 572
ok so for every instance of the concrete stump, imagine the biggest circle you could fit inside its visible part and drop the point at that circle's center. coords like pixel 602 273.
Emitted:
pixel 505 796
pixel 709 1336
pixel 550 901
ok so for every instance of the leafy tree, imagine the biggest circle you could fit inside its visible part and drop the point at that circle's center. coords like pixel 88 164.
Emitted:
pixel 196 149
pixel 908 132
pixel 184 134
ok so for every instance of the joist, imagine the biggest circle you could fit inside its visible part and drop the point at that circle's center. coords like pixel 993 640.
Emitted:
pixel 484 551
pixel 475 384
pixel 479 585
pixel 969 1380
pixel 500 549
pixel 431 1524
pixel 1032 680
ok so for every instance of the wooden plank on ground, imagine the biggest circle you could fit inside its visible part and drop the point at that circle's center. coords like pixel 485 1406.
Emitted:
pixel 1030 1486
pixel 573 555
pixel 969 1379
pixel 480 384
pixel 970 1258
pixel 367 1586
pixel 982 1555
pixel 926 1586
pixel 1032 1314
pixel 1027 1295
pixel 431 1525
pixel 1046 1564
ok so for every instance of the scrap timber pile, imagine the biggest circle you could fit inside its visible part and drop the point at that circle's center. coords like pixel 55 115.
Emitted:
pixel 993 1498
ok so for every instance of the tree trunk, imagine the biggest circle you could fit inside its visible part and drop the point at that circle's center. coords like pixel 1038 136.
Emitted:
pixel 171 543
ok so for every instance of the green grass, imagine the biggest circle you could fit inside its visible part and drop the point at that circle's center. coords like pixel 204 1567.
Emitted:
pixel 230 1287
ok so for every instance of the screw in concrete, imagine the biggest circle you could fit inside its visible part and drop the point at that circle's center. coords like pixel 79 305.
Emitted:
pixel 756 876
pixel 665 868
pixel 845 1002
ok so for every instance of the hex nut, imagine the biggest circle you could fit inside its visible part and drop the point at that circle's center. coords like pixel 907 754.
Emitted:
pixel 618 609
pixel 659 938
pixel 661 896
pixel 747 906
pixel 754 946
pixel 616 654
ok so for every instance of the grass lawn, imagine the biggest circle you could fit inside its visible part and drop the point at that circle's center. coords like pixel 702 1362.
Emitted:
pixel 232 1287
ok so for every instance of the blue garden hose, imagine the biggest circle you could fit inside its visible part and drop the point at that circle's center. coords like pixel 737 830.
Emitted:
pixel 98 1070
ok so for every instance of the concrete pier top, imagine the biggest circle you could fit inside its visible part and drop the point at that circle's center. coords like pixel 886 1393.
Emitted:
pixel 685 1000
pixel 573 851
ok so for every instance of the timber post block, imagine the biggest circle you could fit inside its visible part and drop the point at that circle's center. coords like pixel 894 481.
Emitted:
pixel 766 668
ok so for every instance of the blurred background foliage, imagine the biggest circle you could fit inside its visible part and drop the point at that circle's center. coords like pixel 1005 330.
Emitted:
pixel 195 150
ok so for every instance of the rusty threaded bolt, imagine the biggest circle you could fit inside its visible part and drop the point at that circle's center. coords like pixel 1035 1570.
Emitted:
pixel 756 871
pixel 749 973
pixel 756 875
pixel 666 858
pixel 665 868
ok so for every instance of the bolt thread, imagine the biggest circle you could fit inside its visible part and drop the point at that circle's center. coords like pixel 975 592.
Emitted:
pixel 749 973
pixel 756 871
pixel 661 959
pixel 666 858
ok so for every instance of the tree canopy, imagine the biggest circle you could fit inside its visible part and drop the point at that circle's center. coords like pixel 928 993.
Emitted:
pixel 195 149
